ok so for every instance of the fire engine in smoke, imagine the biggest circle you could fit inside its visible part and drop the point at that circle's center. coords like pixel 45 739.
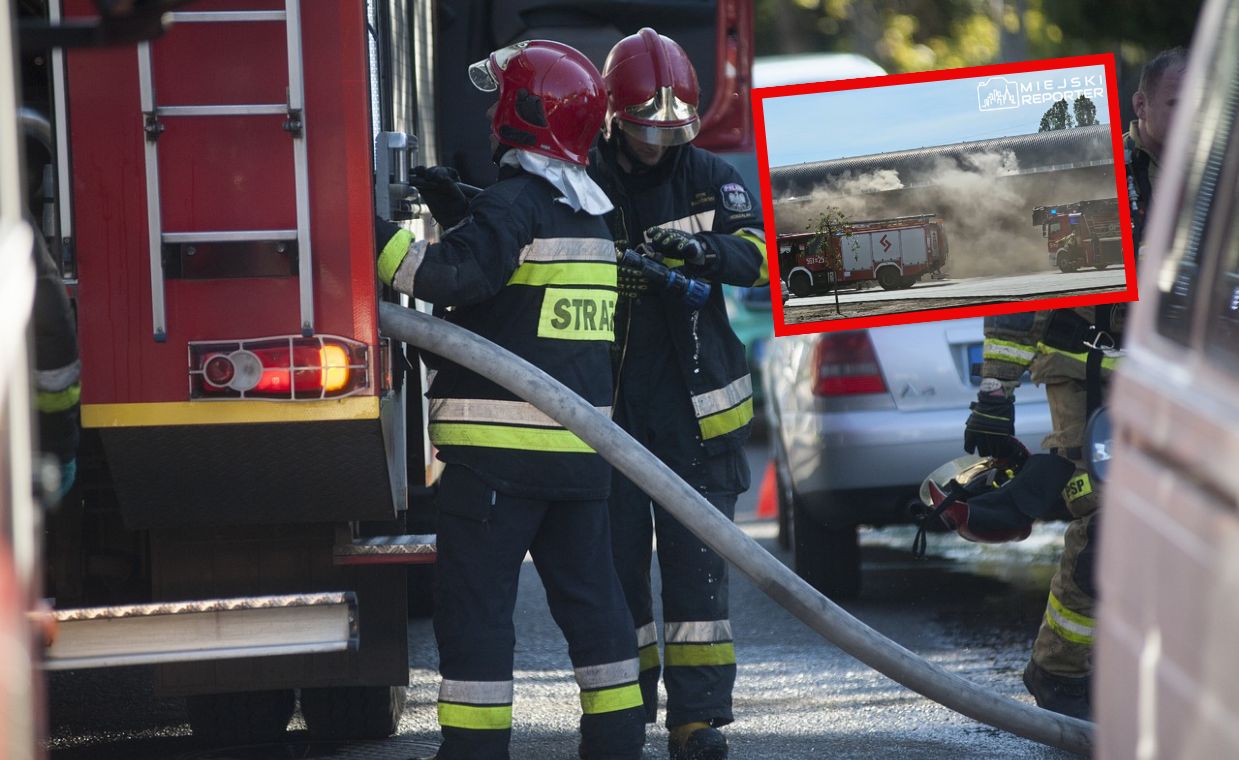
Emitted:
pixel 1081 234
pixel 896 252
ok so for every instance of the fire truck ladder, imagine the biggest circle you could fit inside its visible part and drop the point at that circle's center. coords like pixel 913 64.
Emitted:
pixel 294 125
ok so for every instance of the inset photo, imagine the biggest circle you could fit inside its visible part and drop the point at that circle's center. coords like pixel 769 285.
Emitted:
pixel 944 194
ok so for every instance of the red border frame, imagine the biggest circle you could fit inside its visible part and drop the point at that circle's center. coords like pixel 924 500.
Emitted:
pixel 1105 60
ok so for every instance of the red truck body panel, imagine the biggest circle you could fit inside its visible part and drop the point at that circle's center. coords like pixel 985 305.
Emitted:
pixel 218 173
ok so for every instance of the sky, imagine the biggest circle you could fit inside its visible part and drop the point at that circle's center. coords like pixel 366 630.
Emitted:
pixel 830 125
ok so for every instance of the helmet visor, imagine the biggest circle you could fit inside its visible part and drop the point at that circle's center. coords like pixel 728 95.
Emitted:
pixel 961 469
pixel 655 135
pixel 481 77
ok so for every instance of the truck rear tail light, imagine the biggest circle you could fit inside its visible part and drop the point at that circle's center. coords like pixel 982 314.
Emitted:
pixel 289 368
pixel 845 364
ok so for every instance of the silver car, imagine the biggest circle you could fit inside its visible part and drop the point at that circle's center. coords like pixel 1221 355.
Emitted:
pixel 858 419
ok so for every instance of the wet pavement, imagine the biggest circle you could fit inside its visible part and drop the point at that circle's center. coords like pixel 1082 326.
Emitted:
pixel 971 609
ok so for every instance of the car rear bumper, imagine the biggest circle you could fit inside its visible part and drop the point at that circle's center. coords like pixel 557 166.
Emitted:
pixel 864 467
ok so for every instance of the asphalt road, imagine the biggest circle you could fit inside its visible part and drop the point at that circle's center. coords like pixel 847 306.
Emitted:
pixel 939 294
pixel 971 609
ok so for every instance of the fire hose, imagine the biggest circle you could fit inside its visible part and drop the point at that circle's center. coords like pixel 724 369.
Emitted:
pixel 692 510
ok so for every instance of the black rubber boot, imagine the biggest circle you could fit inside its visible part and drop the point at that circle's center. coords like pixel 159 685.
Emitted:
pixel 1068 695
pixel 697 741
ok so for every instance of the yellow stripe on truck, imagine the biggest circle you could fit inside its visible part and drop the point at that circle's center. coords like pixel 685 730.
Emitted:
pixel 228 412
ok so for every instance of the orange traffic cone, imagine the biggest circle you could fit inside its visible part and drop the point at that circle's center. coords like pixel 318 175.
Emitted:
pixel 767 505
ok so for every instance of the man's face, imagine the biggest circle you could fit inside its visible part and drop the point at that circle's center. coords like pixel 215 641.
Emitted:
pixel 647 154
pixel 1155 108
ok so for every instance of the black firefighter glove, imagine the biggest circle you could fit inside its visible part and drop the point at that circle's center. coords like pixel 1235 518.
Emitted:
pixel 438 186
pixel 631 279
pixel 990 429
pixel 677 244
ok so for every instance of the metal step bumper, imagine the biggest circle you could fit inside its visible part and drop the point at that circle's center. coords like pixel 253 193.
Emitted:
pixel 407 549
pixel 208 629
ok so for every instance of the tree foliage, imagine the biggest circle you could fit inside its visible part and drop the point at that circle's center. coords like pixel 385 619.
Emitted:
pixel 918 35
pixel 1085 111
pixel 1056 117
pixel 829 224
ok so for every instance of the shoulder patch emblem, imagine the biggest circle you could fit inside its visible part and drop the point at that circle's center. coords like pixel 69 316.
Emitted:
pixel 735 197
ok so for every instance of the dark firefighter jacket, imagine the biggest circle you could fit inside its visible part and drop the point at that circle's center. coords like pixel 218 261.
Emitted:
pixel 58 371
pixel 528 273
pixel 1056 339
pixel 694 191
pixel 1141 173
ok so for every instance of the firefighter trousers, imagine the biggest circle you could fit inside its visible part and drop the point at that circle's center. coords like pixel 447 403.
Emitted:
pixel 699 656
pixel 1064 644
pixel 483 537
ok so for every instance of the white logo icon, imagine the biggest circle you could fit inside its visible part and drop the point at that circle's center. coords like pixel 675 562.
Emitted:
pixel 997 94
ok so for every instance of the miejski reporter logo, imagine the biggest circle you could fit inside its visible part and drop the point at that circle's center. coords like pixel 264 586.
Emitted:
pixel 997 94
pixel 1000 93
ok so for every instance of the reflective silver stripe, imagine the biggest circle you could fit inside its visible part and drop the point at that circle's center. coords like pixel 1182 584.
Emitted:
pixel 700 222
pixel 646 635
pixel 493 411
pixel 403 279
pixel 723 398
pixel 698 632
pixel 1009 351
pixel 55 380
pixel 607 674
pixel 756 232
pixel 569 249
pixel 476 692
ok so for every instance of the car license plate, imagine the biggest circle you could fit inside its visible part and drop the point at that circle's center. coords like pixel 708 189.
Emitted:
pixel 975 357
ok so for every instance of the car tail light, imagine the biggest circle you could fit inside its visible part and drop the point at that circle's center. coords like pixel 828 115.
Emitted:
pixel 845 364
pixel 283 368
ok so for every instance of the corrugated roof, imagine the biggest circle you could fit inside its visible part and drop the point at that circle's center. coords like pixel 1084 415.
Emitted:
pixel 1064 148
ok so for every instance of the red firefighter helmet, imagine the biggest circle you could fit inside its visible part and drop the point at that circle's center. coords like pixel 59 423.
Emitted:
pixel 551 98
pixel 652 91
pixel 994 500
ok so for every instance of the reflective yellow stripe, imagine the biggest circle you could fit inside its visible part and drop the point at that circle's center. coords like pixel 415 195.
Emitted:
pixel 725 422
pixel 393 253
pixel 1072 626
pixel 671 263
pixel 577 314
pixel 50 402
pixel 555 440
pixel 763 275
pixel 649 657
pixel 610 700
pixel 1078 487
pixel 498 717
pixel 700 655
pixel 1008 351
pixel 565 273
pixel 1107 362
pixel 228 412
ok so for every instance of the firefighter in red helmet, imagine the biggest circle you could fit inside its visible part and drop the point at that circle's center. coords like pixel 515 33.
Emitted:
pixel 683 387
pixel 516 481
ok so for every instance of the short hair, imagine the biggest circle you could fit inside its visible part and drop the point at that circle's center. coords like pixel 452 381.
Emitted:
pixel 1151 74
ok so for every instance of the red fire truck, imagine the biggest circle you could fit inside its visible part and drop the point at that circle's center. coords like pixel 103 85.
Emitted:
pixel 255 478
pixel 1082 234
pixel 896 252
